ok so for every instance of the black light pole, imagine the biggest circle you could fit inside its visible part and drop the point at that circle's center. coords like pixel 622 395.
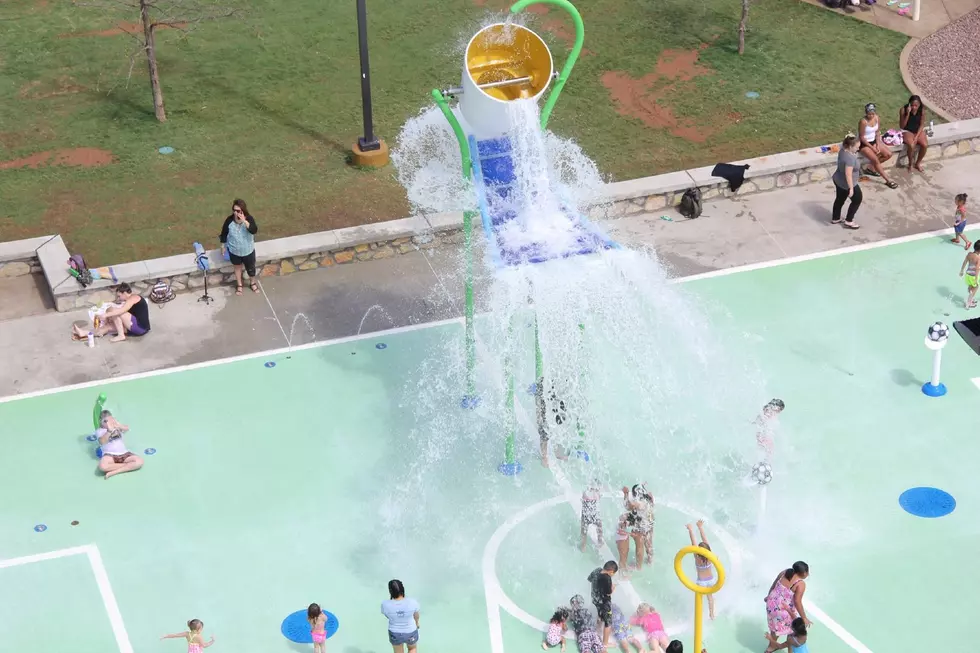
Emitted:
pixel 368 142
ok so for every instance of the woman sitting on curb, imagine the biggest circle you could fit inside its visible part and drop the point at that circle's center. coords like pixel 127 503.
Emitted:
pixel 872 147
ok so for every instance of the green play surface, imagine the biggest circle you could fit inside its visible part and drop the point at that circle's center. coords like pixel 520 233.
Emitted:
pixel 321 477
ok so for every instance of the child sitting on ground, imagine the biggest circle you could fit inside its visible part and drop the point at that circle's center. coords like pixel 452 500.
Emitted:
pixel 653 628
pixel 556 630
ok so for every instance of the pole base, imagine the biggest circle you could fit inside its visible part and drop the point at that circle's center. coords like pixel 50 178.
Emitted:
pixel 510 469
pixel 584 455
pixel 470 402
pixel 370 158
pixel 931 390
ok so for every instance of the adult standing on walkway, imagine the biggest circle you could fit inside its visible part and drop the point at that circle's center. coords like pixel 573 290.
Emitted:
pixel 912 121
pixel 238 243
pixel 872 147
pixel 784 603
pixel 403 618
pixel 846 182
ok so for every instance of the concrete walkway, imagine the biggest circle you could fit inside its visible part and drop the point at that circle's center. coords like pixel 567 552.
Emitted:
pixel 425 286
pixel 934 14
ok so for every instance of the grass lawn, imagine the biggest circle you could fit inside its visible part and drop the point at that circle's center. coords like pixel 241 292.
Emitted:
pixel 265 107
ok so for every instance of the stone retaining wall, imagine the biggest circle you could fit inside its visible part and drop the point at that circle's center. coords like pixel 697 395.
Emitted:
pixel 284 256
pixel 20 267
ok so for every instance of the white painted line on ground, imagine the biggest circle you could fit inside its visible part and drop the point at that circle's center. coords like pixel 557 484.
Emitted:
pixel 976 382
pixel 109 599
pixel 817 255
pixel 91 552
pixel 41 557
pixel 230 359
pixel 837 629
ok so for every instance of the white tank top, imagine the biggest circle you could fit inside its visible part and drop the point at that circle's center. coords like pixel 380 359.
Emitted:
pixel 114 447
pixel 871 132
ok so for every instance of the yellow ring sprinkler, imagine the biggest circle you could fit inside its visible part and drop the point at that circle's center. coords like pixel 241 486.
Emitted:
pixel 697 589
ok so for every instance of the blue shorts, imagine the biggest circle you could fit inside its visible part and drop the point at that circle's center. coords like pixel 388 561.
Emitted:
pixel 411 638
pixel 958 228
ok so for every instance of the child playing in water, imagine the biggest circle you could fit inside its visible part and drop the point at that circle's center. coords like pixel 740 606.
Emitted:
pixel 653 628
pixel 556 630
pixel 706 572
pixel 590 512
pixel 959 221
pixel 766 423
pixel 620 629
pixel 584 626
pixel 795 642
pixel 318 630
pixel 623 542
pixel 969 266
pixel 195 640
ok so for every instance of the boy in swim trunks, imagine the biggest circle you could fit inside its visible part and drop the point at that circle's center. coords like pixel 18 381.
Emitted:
pixel 601 579
pixel 959 221
pixel 969 266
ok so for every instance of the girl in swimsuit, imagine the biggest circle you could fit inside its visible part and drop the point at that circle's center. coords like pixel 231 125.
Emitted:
pixel 318 627
pixel 639 506
pixel 796 642
pixel 195 640
pixel 706 571
pixel 556 630
pixel 784 603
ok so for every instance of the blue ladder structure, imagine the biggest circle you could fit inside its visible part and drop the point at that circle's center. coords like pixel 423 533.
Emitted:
pixel 493 178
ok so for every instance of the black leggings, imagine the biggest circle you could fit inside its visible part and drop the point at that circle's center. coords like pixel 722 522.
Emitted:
pixel 842 197
pixel 248 261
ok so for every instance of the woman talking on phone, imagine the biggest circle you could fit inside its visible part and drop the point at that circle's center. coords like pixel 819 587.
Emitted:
pixel 238 243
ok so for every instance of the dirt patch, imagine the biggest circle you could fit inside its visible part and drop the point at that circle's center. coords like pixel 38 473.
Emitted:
pixel 645 98
pixel 120 28
pixel 85 157
pixel 39 90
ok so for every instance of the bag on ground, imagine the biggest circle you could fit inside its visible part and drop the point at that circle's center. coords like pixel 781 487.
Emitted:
pixel 161 293
pixel 690 206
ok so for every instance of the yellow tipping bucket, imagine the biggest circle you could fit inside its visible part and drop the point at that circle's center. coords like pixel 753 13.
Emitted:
pixel 504 62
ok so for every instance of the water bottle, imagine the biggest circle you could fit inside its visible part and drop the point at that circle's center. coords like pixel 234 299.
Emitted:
pixel 929 133
pixel 91 339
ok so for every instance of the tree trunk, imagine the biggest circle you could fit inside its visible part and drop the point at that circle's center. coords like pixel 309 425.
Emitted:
pixel 151 60
pixel 741 26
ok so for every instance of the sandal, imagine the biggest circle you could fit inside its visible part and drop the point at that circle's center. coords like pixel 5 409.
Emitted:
pixel 255 287
pixel 238 290
pixel 870 172
pixel 851 225
pixel 891 184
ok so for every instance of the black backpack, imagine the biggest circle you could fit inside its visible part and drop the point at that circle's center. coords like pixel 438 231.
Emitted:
pixel 691 203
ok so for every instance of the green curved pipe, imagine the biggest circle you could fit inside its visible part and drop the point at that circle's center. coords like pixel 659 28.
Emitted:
pixel 464 147
pixel 469 327
pixel 566 71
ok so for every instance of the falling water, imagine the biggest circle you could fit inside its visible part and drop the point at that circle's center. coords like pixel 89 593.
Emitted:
pixel 292 329
pixel 663 395
pixel 378 309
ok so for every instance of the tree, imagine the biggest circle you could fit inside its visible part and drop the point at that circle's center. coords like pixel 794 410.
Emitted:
pixel 182 15
pixel 741 26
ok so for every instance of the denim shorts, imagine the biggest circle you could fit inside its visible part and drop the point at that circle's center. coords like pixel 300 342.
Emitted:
pixel 411 638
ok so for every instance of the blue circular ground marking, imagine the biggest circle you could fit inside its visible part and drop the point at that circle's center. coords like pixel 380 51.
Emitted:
pixel 381 345
pixel 752 95
pixel 166 149
pixel 98 452
pixel 270 364
pixel 470 402
pixel 532 389
pixel 296 628
pixel 927 502
pixel 150 451
pixel 40 528
pixel 91 438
